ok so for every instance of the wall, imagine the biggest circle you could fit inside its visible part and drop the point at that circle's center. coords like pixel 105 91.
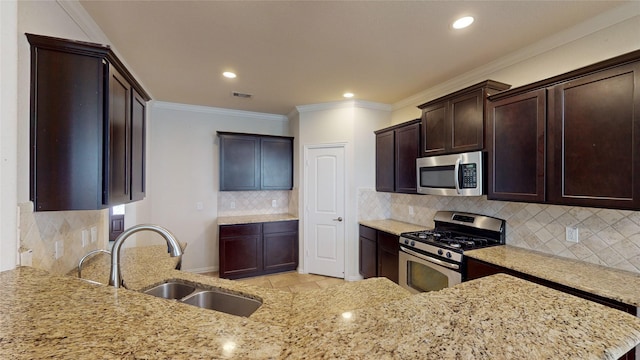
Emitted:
pixel 351 123
pixel 8 134
pixel 39 231
pixel 612 33
pixel 183 171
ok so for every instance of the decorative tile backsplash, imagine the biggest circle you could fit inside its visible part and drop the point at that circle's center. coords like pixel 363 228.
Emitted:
pixel 607 237
pixel 238 203
pixel 39 231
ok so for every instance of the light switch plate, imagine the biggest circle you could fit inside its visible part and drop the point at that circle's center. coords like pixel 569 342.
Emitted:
pixel 94 234
pixel 85 237
pixel 59 250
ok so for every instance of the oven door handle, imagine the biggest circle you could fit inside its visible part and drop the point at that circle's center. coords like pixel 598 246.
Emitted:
pixel 430 259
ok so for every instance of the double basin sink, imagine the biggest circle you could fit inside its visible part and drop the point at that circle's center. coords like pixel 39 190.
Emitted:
pixel 206 297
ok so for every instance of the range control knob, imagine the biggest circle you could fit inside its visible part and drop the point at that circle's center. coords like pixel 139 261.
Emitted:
pixel 406 241
pixel 449 255
pixel 440 252
pixel 413 243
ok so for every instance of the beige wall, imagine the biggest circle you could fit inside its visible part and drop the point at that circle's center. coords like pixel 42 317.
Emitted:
pixel 351 123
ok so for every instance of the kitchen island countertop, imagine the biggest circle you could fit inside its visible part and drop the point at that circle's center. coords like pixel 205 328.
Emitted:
pixel 494 317
pixel 620 285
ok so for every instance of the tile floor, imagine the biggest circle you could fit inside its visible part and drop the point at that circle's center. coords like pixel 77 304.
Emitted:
pixel 290 281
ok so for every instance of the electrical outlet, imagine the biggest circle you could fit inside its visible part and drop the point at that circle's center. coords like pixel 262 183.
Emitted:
pixel 26 258
pixel 232 205
pixel 572 234
pixel 199 206
pixel 94 234
pixel 85 237
pixel 411 211
pixel 274 203
pixel 59 251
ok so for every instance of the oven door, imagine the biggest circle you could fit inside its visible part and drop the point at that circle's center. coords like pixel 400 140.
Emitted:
pixel 420 273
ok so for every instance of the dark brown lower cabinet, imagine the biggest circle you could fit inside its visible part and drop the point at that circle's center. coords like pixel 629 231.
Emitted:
pixel 258 249
pixel 378 254
pixel 477 268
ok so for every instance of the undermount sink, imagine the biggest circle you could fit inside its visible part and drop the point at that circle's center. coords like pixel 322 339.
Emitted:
pixel 171 290
pixel 206 297
pixel 224 302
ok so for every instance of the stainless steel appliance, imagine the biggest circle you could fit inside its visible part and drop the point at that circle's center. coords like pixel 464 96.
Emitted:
pixel 451 175
pixel 433 259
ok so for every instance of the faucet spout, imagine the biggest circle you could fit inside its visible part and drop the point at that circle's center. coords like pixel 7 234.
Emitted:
pixel 115 276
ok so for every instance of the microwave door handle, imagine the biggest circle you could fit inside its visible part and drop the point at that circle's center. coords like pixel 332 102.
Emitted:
pixel 456 177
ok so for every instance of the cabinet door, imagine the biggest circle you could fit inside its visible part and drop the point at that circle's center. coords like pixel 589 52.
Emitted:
pixel 138 143
pixel 67 109
pixel 118 154
pixel 435 129
pixel 280 241
pixel 280 251
pixel 516 147
pixel 367 252
pixel 388 262
pixel 276 169
pixel 465 130
pixel 385 166
pixel 239 163
pixel 240 250
pixel 594 140
pixel 407 150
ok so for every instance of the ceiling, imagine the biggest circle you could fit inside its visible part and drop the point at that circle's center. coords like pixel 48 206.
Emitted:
pixel 289 53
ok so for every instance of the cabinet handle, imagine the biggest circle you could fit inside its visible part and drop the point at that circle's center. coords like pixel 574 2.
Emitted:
pixel 338 219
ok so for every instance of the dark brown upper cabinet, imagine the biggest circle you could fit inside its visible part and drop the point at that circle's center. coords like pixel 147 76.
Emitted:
pixel 573 139
pixel 516 146
pixel 594 139
pixel 255 162
pixel 454 123
pixel 397 148
pixel 87 127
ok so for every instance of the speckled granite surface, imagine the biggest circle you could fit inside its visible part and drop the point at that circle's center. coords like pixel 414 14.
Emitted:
pixel 46 316
pixel 497 317
pixel 248 219
pixel 392 226
pixel 620 285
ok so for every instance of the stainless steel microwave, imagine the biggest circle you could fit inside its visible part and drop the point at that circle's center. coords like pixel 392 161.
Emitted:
pixel 451 175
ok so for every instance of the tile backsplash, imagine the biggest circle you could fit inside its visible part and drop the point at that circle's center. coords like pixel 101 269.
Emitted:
pixel 606 237
pixel 238 203
pixel 39 231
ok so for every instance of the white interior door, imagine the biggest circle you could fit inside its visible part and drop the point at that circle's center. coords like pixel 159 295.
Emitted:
pixel 324 210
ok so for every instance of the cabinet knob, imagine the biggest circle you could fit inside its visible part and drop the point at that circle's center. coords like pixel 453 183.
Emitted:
pixel 338 219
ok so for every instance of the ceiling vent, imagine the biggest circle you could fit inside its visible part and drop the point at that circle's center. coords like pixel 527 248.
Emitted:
pixel 241 95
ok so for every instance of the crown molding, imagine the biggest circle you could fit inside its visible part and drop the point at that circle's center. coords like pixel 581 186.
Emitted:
pixel 342 105
pixel 163 105
pixel 587 27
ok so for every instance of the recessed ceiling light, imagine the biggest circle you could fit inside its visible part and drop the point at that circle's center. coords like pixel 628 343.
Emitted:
pixel 348 95
pixel 229 75
pixel 463 22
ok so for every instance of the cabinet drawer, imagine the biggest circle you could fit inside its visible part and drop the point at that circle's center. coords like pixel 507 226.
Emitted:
pixel 279 226
pixel 368 232
pixel 388 242
pixel 240 230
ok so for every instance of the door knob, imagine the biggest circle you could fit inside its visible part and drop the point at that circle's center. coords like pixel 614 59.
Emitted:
pixel 338 219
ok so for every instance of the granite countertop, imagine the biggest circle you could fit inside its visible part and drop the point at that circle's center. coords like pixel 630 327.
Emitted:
pixel 47 316
pixel 620 285
pixel 250 219
pixel 392 226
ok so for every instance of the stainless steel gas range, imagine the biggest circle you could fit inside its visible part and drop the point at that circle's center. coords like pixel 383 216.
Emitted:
pixel 433 259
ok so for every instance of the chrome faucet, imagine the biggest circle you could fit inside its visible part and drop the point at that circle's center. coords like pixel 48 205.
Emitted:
pixel 115 277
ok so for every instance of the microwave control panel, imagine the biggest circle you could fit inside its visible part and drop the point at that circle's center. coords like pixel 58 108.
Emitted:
pixel 469 176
